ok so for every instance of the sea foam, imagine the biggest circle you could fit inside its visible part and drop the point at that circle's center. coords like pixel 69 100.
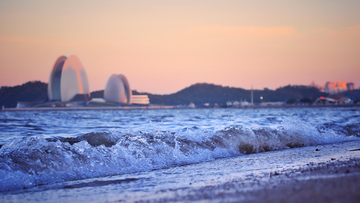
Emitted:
pixel 31 161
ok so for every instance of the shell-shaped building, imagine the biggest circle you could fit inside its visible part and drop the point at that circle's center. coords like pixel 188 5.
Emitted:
pixel 67 79
pixel 118 90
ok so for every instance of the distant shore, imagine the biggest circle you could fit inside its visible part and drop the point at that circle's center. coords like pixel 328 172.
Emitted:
pixel 35 93
pixel 166 107
pixel 88 108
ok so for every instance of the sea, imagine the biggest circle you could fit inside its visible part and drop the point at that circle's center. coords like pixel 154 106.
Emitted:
pixel 163 155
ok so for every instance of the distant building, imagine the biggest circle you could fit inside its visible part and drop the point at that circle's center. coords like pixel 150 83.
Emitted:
pixel 140 99
pixel 118 90
pixel 98 100
pixel 327 100
pixel 191 105
pixel 245 103
pixel 272 103
pixel 238 104
pixel 21 105
pixel 334 87
pixel 68 80
pixel 350 86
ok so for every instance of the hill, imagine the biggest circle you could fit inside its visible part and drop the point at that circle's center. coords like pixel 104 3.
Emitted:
pixel 34 91
pixel 209 93
pixel 199 94
pixel 352 94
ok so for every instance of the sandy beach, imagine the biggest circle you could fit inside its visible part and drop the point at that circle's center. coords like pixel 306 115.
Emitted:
pixel 334 180
pixel 337 181
pixel 339 184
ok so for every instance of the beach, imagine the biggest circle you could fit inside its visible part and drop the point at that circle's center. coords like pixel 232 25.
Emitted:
pixel 334 180
pixel 331 181
pixel 318 185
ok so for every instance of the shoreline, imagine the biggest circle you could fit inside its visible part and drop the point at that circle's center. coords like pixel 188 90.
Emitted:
pixel 320 173
pixel 336 178
pixel 322 182
pixel 166 107
pixel 329 181
pixel 87 108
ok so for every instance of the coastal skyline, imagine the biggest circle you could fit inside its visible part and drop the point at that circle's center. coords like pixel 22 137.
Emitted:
pixel 164 46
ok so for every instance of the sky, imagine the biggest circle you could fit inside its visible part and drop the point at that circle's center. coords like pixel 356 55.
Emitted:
pixel 165 46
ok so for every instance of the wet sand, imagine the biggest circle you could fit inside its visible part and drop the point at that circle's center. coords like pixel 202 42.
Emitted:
pixel 331 181
pixel 336 182
pixel 342 187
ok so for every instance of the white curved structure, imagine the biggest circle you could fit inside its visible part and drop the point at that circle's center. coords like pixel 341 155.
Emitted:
pixel 118 89
pixel 67 79
pixel 54 80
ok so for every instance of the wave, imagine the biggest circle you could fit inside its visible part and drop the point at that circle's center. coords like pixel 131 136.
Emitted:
pixel 31 161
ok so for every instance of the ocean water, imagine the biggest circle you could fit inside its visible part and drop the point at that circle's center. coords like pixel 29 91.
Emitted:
pixel 131 155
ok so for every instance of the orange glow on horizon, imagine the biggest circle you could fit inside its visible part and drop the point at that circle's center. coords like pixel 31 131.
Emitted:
pixel 249 32
pixel 164 46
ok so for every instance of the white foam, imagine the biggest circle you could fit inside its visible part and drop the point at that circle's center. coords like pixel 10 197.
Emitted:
pixel 31 161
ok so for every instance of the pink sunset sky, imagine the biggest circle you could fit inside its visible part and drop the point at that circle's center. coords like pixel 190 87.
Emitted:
pixel 165 46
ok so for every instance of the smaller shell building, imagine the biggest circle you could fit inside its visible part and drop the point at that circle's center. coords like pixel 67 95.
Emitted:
pixel 118 90
pixel 68 80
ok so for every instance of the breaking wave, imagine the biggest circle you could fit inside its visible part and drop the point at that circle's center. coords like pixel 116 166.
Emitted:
pixel 31 161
